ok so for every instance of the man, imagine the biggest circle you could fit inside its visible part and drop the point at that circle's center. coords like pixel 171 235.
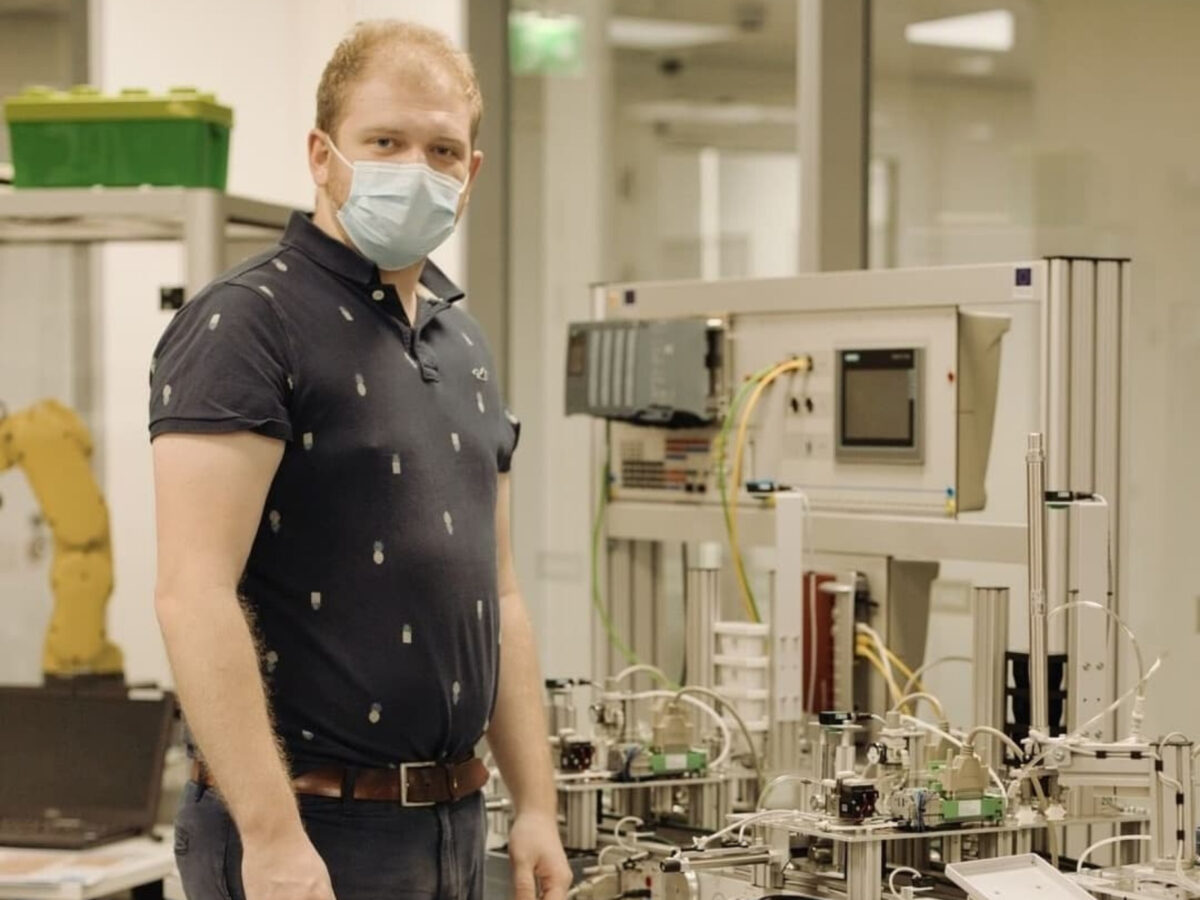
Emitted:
pixel 330 447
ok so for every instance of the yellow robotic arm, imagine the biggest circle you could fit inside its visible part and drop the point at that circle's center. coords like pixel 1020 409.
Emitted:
pixel 53 446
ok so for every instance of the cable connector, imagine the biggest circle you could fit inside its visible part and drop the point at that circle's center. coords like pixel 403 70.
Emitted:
pixel 1136 719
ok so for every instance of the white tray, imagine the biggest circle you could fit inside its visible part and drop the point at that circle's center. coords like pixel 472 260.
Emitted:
pixel 1014 878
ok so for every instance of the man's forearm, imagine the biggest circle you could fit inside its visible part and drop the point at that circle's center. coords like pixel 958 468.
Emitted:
pixel 517 734
pixel 220 687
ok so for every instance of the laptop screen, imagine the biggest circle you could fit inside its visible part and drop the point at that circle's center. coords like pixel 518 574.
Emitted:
pixel 81 754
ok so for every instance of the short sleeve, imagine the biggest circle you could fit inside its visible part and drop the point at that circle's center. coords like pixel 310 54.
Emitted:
pixel 223 365
pixel 509 445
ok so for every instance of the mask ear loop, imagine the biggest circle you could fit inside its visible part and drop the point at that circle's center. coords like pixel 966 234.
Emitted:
pixel 338 153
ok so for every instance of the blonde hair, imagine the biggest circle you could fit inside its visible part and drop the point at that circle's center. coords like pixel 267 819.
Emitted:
pixel 356 51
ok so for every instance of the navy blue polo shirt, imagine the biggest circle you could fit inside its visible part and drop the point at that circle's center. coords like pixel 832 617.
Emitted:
pixel 372 581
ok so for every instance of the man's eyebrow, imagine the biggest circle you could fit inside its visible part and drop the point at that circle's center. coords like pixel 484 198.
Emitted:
pixel 393 131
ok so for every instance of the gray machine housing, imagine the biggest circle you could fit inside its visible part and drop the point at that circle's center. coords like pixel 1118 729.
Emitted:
pixel 650 373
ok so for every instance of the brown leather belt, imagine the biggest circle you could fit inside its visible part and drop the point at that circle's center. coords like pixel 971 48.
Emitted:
pixel 410 784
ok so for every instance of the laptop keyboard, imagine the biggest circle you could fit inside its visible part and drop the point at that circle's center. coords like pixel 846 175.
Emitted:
pixel 49 826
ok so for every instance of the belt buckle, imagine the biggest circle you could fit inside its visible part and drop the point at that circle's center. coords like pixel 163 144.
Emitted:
pixel 404 767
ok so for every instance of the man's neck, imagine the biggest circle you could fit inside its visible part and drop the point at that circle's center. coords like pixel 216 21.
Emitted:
pixel 403 280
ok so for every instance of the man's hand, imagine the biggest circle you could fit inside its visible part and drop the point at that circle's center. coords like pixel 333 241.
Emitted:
pixel 538 862
pixel 284 869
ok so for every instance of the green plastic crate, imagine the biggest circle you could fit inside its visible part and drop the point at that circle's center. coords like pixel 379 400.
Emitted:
pixel 82 138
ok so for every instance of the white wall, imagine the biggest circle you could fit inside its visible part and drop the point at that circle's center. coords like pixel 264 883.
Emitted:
pixel 963 168
pixel 37 327
pixel 561 194
pixel 1097 153
pixel 658 211
pixel 39 300
pixel 35 49
pixel 264 58
pixel 1115 97
pixel 526 279
pixel 758 212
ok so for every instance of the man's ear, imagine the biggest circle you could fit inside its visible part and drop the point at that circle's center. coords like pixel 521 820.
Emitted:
pixel 320 157
pixel 472 174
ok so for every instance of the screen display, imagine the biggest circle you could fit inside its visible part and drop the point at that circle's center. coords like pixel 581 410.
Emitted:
pixel 878 398
pixel 73 753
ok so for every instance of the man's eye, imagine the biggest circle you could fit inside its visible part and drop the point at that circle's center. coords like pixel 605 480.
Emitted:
pixel 384 143
pixel 448 152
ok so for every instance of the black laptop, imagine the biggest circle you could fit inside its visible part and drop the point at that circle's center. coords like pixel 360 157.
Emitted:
pixel 79 770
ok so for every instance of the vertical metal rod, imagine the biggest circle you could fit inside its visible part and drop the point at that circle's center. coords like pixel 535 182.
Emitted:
pixel 990 642
pixel 843 642
pixel 1035 461
pixel 581 831
pixel 703 609
pixel 204 237
pixel 1171 821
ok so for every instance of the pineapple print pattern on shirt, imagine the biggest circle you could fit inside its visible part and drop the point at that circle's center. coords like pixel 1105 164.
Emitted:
pixel 398 443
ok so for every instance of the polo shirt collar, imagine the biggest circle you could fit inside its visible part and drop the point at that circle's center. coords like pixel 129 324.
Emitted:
pixel 306 236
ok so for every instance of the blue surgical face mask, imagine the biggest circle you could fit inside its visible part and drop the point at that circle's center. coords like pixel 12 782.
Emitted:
pixel 397 213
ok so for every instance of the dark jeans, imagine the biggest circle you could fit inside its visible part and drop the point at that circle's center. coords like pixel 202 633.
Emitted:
pixel 373 850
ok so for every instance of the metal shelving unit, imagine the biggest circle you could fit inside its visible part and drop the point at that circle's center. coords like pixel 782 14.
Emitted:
pixel 204 220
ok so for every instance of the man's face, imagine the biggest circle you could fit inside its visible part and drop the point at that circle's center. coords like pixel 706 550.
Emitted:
pixel 400 112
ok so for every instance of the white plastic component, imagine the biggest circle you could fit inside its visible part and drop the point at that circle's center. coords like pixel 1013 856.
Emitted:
pixel 710 555
pixel 742 639
pixel 741 672
pixel 1014 877
pixel 752 704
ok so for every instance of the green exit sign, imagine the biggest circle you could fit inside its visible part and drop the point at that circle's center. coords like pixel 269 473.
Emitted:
pixel 545 44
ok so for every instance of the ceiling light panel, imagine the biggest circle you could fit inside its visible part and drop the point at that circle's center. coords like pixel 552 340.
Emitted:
pixel 664 34
pixel 992 31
